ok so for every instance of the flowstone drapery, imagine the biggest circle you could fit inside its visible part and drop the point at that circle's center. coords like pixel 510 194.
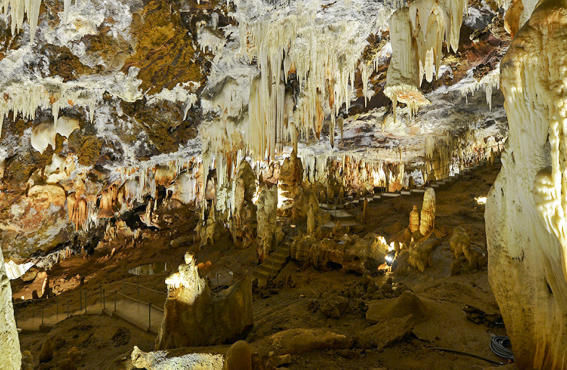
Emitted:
pixel 10 355
pixel 527 207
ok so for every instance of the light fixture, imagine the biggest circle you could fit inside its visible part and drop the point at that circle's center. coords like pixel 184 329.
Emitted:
pixel 480 200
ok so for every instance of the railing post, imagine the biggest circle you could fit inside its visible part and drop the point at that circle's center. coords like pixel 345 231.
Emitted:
pixel 149 316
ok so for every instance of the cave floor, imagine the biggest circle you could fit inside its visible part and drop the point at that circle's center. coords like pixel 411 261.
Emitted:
pixel 295 297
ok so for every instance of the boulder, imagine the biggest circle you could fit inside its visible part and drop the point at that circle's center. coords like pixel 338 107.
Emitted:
pixel 386 333
pixel 306 340
pixel 239 356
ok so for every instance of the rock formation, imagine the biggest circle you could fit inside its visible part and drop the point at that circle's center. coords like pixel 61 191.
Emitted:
pixel 525 211
pixel 266 218
pixel 161 360
pixel 427 222
pixel 349 253
pixel 244 223
pixel 195 316
pixel 9 341
pixel 414 220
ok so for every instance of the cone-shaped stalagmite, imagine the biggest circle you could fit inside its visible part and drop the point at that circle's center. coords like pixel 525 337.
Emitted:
pixel 427 212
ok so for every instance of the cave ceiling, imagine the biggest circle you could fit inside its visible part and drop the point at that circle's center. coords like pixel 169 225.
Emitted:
pixel 110 91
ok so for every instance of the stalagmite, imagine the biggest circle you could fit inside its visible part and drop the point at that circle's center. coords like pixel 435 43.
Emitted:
pixel 414 220
pixel 266 216
pixel 195 316
pixel 9 342
pixel 427 222
pixel 526 208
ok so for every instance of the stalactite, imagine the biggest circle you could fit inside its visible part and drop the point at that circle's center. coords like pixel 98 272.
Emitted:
pixel 17 9
pixel 417 34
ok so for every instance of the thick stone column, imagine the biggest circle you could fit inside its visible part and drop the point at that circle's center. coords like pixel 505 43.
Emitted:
pixel 526 211
pixel 10 356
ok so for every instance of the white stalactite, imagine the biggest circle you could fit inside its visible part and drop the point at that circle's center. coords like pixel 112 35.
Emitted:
pixel 417 34
pixel 17 9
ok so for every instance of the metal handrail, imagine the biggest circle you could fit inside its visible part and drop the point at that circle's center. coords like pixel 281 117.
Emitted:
pixel 144 287
pixel 84 294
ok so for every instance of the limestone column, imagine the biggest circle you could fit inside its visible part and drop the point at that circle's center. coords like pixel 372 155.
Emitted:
pixel 526 210
pixel 10 355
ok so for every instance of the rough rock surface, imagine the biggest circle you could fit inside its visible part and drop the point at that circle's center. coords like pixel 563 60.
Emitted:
pixel 159 360
pixel 525 212
pixel 195 316
pixel 306 340
pixel 9 342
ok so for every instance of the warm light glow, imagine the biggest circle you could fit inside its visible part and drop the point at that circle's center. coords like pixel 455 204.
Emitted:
pixel 480 200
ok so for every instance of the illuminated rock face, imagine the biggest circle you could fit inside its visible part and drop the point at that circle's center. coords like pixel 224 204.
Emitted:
pixel 527 207
pixel 195 316
pixel 9 342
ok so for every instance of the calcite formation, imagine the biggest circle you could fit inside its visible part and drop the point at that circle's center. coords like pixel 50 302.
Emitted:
pixel 195 316
pixel 355 254
pixel 414 220
pixel 418 32
pixel 244 221
pixel 525 211
pixel 266 216
pixel 9 342
pixel 427 221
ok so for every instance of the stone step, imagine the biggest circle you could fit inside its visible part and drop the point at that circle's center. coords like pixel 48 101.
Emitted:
pixel 266 271
pixel 272 265
pixel 282 252
pixel 339 214
pixel 263 274
pixel 278 259
pixel 327 206
pixel 391 195
pixel 340 223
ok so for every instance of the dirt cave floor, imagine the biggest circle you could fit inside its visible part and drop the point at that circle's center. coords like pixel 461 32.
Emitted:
pixel 299 297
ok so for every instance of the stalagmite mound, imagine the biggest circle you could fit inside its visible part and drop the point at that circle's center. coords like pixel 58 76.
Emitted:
pixel 525 212
pixel 195 316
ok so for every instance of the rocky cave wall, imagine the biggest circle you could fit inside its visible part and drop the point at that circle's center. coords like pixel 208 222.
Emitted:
pixel 9 341
pixel 108 106
pixel 113 110
pixel 525 212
